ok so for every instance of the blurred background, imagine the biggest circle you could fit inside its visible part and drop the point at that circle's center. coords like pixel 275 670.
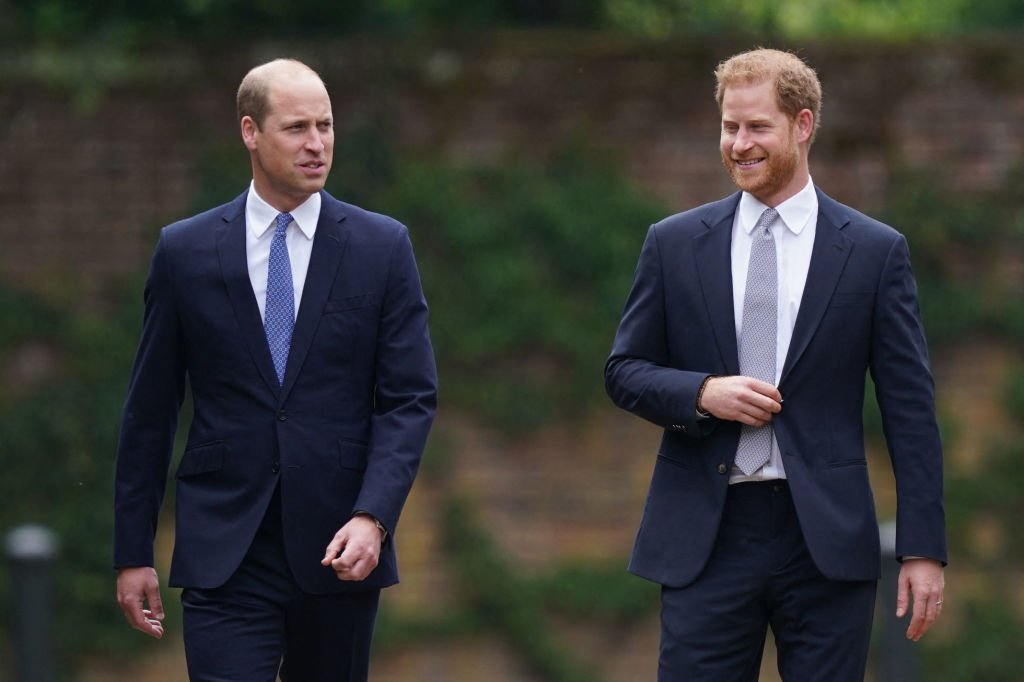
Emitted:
pixel 527 144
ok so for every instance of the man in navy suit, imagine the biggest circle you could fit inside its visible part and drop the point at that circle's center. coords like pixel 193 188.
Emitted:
pixel 747 336
pixel 301 327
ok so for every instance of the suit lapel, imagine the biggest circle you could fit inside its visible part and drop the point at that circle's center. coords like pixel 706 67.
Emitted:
pixel 714 267
pixel 828 258
pixel 329 243
pixel 235 270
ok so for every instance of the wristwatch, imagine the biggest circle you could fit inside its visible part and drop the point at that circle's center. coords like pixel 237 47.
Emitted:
pixel 381 528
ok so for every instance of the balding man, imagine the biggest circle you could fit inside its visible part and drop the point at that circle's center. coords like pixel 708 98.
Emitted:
pixel 301 327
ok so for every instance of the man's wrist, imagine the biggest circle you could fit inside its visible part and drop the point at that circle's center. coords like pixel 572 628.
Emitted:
pixel 380 526
pixel 701 412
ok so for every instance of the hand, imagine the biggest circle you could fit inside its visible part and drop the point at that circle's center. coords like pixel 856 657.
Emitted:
pixel 741 399
pixel 355 549
pixel 922 578
pixel 137 587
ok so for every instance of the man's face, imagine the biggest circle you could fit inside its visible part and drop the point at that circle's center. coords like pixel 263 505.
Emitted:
pixel 760 144
pixel 292 152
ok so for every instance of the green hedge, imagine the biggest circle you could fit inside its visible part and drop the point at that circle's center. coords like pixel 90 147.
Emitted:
pixel 964 248
pixel 526 264
pixel 141 21
pixel 59 434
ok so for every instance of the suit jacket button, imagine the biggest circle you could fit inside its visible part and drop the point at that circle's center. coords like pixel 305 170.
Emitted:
pixel 282 416
pixel 722 469
pixel 276 468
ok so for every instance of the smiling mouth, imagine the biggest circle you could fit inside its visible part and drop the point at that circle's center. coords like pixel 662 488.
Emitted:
pixel 749 163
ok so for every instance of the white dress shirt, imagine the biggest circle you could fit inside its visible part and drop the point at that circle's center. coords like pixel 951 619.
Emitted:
pixel 794 240
pixel 260 218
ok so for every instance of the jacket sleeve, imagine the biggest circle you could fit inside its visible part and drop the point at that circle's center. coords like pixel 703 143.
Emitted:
pixel 638 374
pixel 405 398
pixel 149 420
pixel 906 398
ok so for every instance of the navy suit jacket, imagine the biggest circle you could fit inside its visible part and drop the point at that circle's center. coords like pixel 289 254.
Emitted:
pixel 344 433
pixel 859 313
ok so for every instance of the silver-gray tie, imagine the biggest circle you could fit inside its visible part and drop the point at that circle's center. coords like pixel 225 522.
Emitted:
pixel 759 336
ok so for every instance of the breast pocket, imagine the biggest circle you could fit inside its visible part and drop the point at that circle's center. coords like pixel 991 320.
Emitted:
pixel 350 303
pixel 849 316
pixel 853 299
pixel 347 330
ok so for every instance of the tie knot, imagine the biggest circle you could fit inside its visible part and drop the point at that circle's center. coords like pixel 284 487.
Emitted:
pixel 285 219
pixel 766 220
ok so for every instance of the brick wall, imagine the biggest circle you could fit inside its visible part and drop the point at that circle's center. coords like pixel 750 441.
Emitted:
pixel 85 183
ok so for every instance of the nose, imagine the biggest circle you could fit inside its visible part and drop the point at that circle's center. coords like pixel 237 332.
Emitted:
pixel 742 141
pixel 315 141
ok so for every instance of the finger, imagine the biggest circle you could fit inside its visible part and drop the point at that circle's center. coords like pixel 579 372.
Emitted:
pixel 358 571
pixel 344 562
pixel 156 605
pixel 767 410
pixel 356 561
pixel 919 618
pixel 750 414
pixel 133 614
pixel 131 607
pixel 334 549
pixel 361 570
pixel 355 573
pixel 757 404
pixel 343 570
pixel 144 621
pixel 755 416
pixel 932 613
pixel 923 627
pixel 765 389
pixel 758 421
pixel 913 631
pixel 770 404
pixel 348 558
pixel 153 628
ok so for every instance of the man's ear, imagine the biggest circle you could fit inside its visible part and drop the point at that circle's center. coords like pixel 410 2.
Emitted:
pixel 804 125
pixel 249 130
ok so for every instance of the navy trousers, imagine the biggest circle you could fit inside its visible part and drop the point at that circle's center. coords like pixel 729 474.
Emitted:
pixel 761 575
pixel 260 625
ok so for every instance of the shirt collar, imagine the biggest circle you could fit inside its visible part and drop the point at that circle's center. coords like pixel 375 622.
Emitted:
pixel 262 215
pixel 795 211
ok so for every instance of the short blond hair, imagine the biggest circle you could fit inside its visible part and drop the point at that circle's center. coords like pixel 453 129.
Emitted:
pixel 796 84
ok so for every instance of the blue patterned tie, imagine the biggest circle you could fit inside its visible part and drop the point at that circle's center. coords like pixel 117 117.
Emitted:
pixel 759 336
pixel 279 312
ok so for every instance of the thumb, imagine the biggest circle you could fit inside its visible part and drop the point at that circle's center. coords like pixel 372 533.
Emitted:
pixel 902 596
